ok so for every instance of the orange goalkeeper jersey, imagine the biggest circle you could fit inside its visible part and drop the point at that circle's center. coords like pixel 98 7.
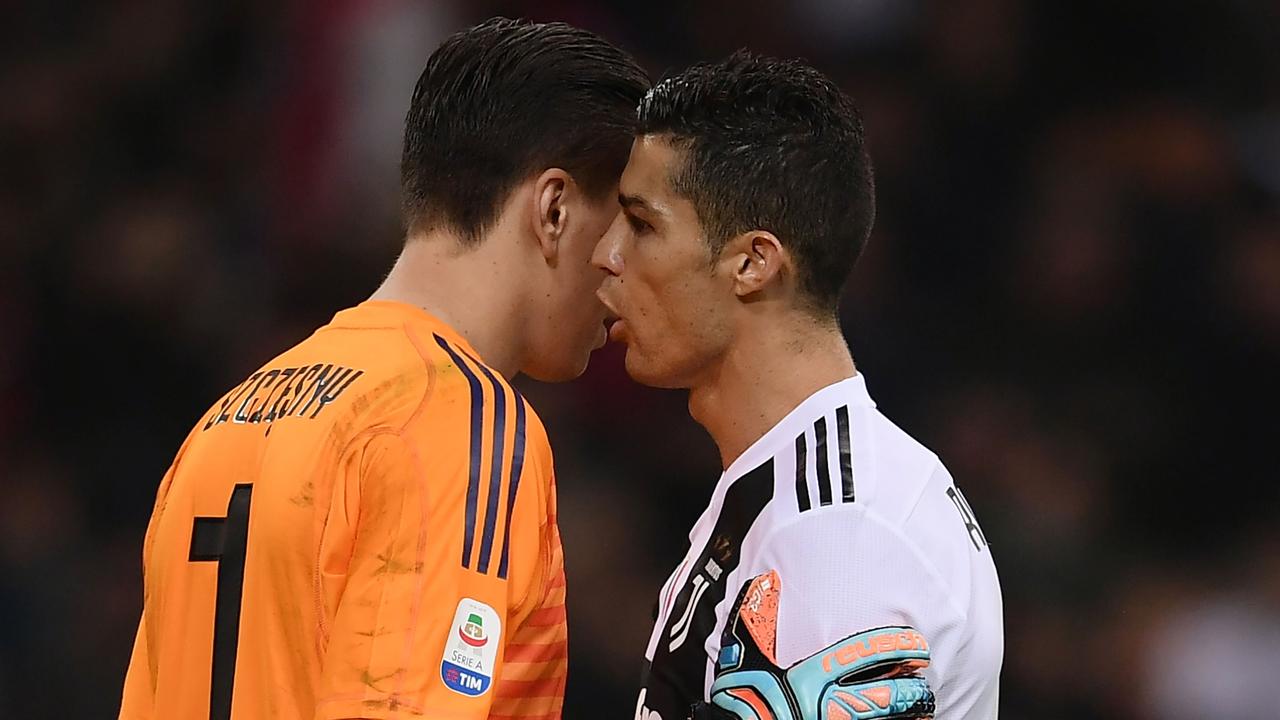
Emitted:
pixel 364 528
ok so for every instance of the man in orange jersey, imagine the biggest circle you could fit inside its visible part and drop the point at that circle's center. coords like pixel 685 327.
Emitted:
pixel 366 526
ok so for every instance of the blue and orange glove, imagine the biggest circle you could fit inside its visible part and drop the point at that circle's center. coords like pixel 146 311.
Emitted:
pixel 873 674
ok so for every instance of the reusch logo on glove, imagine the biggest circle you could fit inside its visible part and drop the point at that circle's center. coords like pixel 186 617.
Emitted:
pixel 876 644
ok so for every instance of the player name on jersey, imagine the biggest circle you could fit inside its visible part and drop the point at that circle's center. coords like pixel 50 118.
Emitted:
pixel 271 394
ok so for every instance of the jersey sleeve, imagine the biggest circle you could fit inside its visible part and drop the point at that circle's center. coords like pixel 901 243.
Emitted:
pixel 423 591
pixel 844 571
pixel 536 651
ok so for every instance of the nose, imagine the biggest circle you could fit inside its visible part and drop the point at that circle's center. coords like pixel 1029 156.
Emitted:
pixel 608 252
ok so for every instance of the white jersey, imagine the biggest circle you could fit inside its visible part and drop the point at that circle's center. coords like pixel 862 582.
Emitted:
pixel 865 528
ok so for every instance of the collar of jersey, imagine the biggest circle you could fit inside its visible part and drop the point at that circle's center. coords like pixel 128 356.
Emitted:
pixel 390 313
pixel 852 391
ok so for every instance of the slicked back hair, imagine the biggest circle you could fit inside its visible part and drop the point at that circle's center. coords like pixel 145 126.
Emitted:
pixel 771 145
pixel 506 99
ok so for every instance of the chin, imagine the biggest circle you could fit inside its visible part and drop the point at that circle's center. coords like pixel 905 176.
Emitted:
pixel 556 370
pixel 647 374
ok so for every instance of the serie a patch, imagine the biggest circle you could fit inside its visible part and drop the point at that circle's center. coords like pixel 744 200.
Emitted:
pixel 471 652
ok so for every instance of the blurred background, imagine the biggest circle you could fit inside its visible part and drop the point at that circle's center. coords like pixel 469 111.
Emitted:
pixel 1072 294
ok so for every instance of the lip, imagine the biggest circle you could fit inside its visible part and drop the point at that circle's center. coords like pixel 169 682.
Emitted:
pixel 617 329
pixel 611 314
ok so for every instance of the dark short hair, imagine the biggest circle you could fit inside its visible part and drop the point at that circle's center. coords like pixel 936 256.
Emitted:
pixel 770 145
pixel 505 99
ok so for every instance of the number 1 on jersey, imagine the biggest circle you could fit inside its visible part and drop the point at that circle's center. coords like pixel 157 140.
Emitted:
pixel 224 540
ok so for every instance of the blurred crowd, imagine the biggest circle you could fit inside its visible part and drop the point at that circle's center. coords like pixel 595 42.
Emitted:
pixel 1072 294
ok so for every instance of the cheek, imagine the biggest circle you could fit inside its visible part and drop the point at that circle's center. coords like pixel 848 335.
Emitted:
pixel 683 314
pixel 576 310
pixel 576 279
pixel 587 278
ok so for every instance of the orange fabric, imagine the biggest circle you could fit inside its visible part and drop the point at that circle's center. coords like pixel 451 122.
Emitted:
pixel 760 612
pixel 374 511
pixel 835 712
pixel 881 695
pixel 853 702
pixel 752 698
pixel 535 653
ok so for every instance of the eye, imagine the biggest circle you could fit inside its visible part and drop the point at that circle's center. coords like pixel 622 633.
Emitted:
pixel 638 226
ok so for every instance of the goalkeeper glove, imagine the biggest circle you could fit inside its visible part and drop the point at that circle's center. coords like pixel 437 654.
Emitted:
pixel 871 675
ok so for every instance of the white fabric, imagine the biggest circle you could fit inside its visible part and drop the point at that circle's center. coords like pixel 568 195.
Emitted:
pixel 900 553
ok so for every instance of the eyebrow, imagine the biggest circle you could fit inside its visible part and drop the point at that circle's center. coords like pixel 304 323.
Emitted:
pixel 630 201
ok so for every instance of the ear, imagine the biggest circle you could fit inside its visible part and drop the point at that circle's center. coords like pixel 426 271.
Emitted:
pixel 551 210
pixel 758 261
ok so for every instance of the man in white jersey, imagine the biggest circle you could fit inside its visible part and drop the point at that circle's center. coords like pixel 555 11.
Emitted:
pixel 747 199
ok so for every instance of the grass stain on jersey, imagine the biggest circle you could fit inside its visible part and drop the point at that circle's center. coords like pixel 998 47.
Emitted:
pixel 306 497
pixel 391 566
pixel 371 681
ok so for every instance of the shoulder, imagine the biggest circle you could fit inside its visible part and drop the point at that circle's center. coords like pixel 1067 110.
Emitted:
pixel 470 414
pixel 895 456
pixel 923 548
pixel 338 383
pixel 464 389
pixel 449 387
pixel 852 456
pixel 863 504
pixel 848 569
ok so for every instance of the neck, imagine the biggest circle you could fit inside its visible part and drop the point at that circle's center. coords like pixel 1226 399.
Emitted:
pixel 764 377
pixel 476 291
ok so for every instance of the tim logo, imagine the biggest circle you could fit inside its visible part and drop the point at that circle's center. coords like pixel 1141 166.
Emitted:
pixel 462 680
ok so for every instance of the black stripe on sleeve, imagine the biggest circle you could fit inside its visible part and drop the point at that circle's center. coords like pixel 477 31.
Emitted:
pixel 495 468
pixel 802 483
pixel 477 426
pixel 822 461
pixel 517 465
pixel 846 454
